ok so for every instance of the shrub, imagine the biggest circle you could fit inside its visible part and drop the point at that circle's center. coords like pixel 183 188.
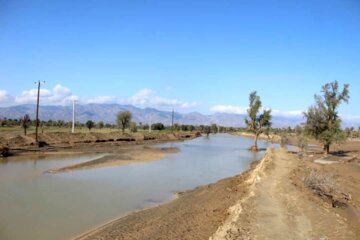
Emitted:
pixel 322 183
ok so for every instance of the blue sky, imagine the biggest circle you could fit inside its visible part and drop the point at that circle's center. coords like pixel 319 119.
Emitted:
pixel 192 55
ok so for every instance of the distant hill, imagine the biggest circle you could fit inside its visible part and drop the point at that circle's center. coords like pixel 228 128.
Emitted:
pixel 107 113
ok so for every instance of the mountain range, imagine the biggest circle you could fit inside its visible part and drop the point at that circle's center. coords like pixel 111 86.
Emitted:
pixel 107 114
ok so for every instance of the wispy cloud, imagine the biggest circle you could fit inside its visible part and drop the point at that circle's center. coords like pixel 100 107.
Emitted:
pixel 149 98
pixel 243 110
pixel 99 100
pixel 59 95
pixel 228 109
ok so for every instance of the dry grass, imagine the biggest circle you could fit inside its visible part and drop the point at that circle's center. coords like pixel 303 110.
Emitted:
pixel 323 183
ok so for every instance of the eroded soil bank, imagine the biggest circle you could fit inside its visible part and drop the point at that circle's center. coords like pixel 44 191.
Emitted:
pixel 269 201
pixel 280 206
pixel 67 143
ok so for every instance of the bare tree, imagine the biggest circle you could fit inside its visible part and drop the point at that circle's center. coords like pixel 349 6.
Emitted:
pixel 25 123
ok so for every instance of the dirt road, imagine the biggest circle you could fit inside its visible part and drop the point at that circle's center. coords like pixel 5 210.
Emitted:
pixel 276 208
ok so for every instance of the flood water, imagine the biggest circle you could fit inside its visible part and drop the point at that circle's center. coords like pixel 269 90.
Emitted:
pixel 35 205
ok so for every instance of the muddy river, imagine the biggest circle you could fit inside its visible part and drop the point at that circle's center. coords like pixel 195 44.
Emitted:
pixel 35 205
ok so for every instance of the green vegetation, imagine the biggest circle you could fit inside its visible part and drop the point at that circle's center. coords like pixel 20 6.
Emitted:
pixel 90 124
pixel 157 126
pixel 123 120
pixel 256 123
pixel 322 120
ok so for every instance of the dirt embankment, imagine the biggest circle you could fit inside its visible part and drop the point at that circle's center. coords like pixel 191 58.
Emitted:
pixel 282 205
pixel 270 201
pixel 271 137
pixel 195 214
pixel 86 142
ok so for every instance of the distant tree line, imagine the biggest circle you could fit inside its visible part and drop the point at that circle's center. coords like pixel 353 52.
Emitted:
pixel 8 122
pixel 123 122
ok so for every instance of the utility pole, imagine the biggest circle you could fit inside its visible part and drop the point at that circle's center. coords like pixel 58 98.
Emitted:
pixel 172 121
pixel 73 117
pixel 37 110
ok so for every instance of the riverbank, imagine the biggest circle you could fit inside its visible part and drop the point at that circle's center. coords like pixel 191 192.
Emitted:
pixel 81 200
pixel 62 143
pixel 194 214
pixel 281 205
pixel 269 201
pixel 271 137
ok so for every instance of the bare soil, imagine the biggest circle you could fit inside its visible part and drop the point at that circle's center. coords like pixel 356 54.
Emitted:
pixel 130 155
pixel 280 206
pixel 111 142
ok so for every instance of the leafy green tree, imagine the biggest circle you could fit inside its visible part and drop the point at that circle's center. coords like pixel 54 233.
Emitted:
pixel 191 128
pixel 255 122
pixel 322 119
pixel 157 126
pixel 183 127
pixel 176 127
pixel 25 123
pixel 3 122
pixel 60 123
pixel 89 124
pixel 123 120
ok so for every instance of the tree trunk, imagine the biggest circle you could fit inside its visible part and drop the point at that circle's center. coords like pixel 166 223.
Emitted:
pixel 123 129
pixel 327 148
pixel 255 147
pixel 24 131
